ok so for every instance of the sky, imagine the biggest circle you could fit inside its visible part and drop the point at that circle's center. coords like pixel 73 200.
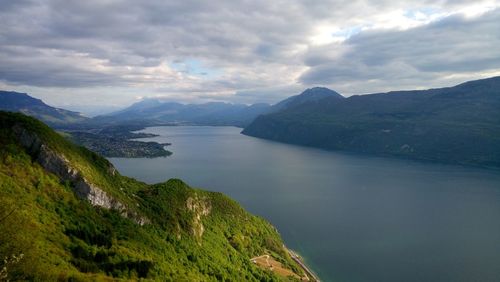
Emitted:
pixel 100 55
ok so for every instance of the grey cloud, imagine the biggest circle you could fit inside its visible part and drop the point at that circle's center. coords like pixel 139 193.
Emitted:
pixel 254 45
pixel 22 66
pixel 450 46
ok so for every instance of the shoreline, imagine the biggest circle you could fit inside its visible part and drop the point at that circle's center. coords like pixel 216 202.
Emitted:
pixel 309 273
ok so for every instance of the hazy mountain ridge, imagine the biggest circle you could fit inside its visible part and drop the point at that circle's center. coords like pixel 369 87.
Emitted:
pixel 22 102
pixel 67 214
pixel 154 111
pixel 458 124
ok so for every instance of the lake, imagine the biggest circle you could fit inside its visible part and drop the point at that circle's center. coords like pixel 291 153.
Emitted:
pixel 352 217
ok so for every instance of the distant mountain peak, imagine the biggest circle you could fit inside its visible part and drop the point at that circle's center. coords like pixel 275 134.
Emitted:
pixel 313 94
pixel 319 88
pixel 320 92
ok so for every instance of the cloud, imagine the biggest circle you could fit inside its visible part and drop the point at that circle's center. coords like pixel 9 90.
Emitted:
pixel 419 56
pixel 242 51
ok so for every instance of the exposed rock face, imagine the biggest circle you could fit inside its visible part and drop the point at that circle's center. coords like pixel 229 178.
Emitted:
pixel 59 165
pixel 200 207
pixel 96 196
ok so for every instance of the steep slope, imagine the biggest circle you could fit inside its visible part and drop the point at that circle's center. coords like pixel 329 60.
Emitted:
pixel 151 111
pixel 458 124
pixel 67 214
pixel 22 102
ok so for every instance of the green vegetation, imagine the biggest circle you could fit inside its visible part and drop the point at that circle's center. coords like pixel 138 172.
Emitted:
pixel 48 233
pixel 459 125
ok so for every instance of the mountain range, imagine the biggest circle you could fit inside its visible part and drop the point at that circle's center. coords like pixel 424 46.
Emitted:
pixel 459 125
pixel 157 111
pixel 153 111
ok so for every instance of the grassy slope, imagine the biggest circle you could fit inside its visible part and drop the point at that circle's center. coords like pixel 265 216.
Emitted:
pixel 62 237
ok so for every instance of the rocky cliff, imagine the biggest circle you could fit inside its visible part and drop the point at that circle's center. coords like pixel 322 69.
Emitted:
pixel 59 165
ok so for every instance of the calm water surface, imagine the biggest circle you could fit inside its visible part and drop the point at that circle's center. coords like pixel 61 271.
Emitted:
pixel 353 218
